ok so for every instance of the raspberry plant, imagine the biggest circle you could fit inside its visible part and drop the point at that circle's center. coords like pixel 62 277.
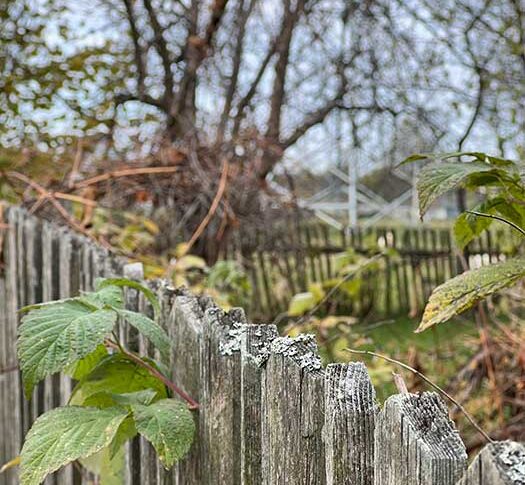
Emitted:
pixel 118 394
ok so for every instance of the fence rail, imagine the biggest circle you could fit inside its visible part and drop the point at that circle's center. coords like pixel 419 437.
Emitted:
pixel 292 257
pixel 269 412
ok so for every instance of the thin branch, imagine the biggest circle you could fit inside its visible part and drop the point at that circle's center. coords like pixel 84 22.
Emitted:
pixel 430 383
pixel 213 206
pixel 127 172
pixel 6 370
pixel 498 218
pixel 56 204
pixel 76 164
pixel 335 288
pixel 246 99
pixel 163 51
pixel 242 18
pixel 155 373
pixel 137 49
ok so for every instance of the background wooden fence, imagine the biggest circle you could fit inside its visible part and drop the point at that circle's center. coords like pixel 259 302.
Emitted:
pixel 269 412
pixel 284 261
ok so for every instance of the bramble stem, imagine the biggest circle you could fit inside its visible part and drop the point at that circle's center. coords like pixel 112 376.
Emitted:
pixel 154 372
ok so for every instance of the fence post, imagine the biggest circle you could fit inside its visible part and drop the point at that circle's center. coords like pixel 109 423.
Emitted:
pixel 350 413
pixel 219 411
pixel 500 463
pixel 293 413
pixel 184 327
pixel 416 443
pixel 255 350
pixel 11 408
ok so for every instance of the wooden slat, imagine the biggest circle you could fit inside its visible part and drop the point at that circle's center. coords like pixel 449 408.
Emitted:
pixel 219 413
pixel 500 463
pixel 350 413
pixel 255 350
pixel 416 443
pixel 293 413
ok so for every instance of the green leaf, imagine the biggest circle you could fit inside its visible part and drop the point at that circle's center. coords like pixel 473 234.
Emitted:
pixel 63 435
pixel 55 336
pixel 76 299
pixel 301 303
pixel 465 290
pixel 108 464
pixel 467 227
pixel 482 157
pixel 139 397
pixel 125 282
pixel 116 374
pixel 126 432
pixel 436 179
pixel 150 329
pixel 106 296
pixel 168 425
pixel 83 367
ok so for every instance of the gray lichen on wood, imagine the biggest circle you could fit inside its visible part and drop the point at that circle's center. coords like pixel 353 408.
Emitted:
pixel 500 463
pixel 255 350
pixel 220 380
pixel 293 413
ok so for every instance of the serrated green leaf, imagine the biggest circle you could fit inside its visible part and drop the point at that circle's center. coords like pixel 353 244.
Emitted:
pixel 150 329
pixel 63 435
pixel 465 290
pixel 83 367
pixel 467 227
pixel 168 425
pixel 106 296
pixel 436 179
pixel 36 306
pixel 108 465
pixel 126 432
pixel 53 337
pixel 483 157
pixel 140 397
pixel 116 374
pixel 127 283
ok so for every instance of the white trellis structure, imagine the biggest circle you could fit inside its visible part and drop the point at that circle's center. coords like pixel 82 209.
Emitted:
pixel 348 199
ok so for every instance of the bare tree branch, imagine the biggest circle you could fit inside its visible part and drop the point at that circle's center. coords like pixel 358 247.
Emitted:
pixel 242 18
pixel 137 50
pixel 163 51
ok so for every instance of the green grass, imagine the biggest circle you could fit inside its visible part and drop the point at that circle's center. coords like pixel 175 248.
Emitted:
pixel 437 353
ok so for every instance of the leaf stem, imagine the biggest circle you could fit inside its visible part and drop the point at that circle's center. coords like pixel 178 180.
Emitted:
pixel 430 383
pixel 498 218
pixel 155 373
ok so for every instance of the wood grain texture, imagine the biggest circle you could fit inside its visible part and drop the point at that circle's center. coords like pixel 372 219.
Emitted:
pixel 500 463
pixel 12 401
pixel 255 350
pixel 219 412
pixel 293 413
pixel 350 413
pixel 185 327
pixel 416 443
pixel 269 413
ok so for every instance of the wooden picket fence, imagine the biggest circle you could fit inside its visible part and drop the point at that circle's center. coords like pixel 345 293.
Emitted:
pixel 269 412
pixel 284 261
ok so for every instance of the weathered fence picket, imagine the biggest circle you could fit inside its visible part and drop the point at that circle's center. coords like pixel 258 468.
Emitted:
pixel 350 413
pixel 501 463
pixel 269 412
pixel 297 255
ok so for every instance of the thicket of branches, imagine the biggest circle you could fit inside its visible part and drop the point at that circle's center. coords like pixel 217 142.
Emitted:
pixel 200 83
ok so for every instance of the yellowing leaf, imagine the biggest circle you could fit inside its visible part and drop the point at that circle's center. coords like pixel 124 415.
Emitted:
pixel 465 290
pixel 300 304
